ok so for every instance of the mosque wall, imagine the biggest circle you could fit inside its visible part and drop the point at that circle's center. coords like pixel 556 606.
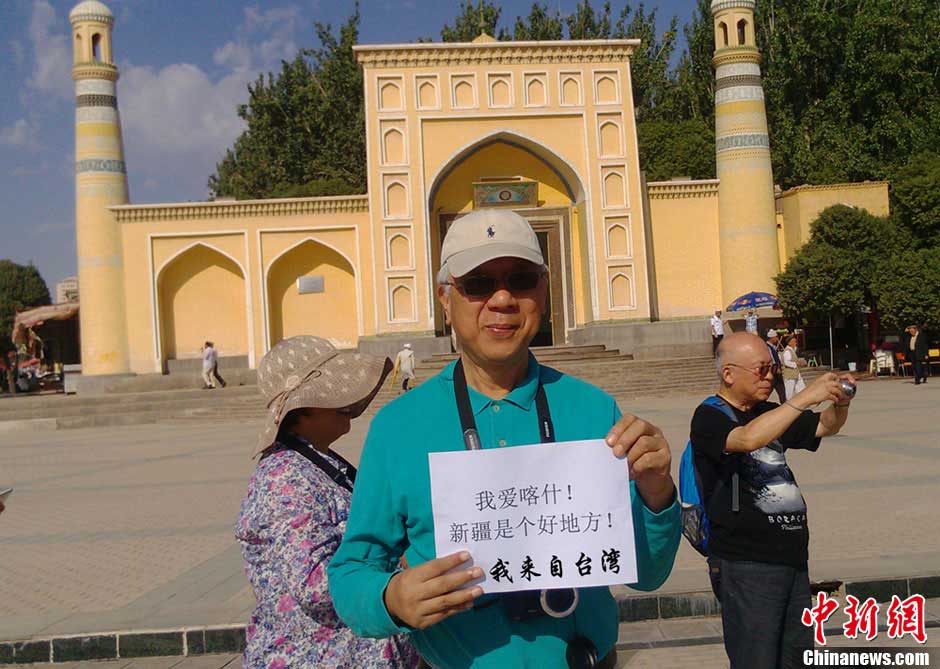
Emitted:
pixel 228 272
pixel 687 259
pixel 800 206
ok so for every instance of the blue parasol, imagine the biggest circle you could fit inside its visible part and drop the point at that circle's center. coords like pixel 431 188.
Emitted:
pixel 753 300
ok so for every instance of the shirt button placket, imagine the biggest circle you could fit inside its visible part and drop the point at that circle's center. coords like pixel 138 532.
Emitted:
pixel 496 410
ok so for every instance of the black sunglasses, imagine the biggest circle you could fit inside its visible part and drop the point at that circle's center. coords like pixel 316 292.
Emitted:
pixel 759 372
pixel 481 285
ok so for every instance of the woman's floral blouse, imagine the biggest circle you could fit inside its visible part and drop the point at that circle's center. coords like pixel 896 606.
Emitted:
pixel 291 523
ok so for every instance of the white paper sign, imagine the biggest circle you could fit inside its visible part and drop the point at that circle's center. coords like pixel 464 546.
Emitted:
pixel 540 516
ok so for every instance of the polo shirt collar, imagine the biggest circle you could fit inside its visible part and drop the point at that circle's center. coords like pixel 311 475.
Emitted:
pixel 523 395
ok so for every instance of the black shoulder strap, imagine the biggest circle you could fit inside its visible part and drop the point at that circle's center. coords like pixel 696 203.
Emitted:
pixel 344 480
pixel 471 438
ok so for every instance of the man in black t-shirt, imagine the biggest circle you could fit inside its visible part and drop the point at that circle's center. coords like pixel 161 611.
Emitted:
pixel 758 553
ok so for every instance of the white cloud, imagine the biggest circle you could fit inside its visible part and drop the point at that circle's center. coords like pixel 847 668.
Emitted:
pixel 178 110
pixel 52 63
pixel 22 134
pixel 179 117
pixel 19 53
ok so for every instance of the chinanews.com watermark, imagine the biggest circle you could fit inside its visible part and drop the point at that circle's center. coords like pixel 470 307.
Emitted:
pixel 904 618
pixel 868 657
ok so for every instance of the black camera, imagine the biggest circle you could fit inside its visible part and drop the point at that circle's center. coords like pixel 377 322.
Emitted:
pixel 559 603
pixel 528 604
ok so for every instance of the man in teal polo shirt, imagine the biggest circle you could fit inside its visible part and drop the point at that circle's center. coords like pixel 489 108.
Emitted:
pixel 493 288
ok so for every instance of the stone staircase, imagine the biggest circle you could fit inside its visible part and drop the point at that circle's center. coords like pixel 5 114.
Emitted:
pixel 177 397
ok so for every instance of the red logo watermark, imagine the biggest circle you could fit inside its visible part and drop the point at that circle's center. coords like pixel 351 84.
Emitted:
pixel 905 616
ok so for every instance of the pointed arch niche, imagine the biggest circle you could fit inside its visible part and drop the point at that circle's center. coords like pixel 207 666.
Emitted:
pixel 332 313
pixel 201 297
pixel 559 189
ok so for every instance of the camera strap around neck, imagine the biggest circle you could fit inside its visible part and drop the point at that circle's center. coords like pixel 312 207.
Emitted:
pixel 471 438
pixel 344 479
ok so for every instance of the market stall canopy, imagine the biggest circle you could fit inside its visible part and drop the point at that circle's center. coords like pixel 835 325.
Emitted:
pixel 35 317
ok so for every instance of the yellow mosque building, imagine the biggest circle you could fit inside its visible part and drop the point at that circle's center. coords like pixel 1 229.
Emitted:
pixel 545 128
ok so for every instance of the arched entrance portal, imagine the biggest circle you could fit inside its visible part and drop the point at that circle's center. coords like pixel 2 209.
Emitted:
pixel 201 296
pixel 312 291
pixel 558 192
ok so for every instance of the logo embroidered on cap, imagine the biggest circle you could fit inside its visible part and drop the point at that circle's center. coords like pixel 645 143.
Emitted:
pixel 490 232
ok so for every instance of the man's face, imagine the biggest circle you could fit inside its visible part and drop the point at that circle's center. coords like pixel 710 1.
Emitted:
pixel 774 340
pixel 749 372
pixel 495 328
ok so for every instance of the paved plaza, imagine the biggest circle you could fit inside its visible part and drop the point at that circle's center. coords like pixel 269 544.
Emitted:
pixel 130 528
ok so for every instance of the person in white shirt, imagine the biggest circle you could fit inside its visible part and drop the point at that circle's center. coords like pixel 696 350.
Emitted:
pixel 405 365
pixel 750 322
pixel 792 378
pixel 718 330
pixel 210 367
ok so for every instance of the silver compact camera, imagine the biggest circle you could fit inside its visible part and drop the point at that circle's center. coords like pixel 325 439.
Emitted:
pixel 848 388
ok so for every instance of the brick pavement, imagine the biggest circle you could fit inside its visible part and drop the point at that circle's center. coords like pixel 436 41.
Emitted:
pixel 130 528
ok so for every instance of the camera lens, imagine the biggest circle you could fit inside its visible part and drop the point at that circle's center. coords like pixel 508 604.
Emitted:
pixel 581 653
pixel 559 603
pixel 848 388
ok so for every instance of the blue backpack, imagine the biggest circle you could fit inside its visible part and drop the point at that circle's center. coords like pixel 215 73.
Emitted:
pixel 695 525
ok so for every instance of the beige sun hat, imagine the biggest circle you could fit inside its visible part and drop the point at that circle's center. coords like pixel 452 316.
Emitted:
pixel 309 372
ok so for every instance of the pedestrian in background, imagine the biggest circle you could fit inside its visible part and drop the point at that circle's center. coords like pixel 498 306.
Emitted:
pixel 405 365
pixel 792 363
pixel 773 345
pixel 11 371
pixel 718 330
pixel 917 353
pixel 210 367
pixel 750 322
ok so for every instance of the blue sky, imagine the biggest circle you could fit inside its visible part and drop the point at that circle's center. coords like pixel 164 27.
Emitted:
pixel 184 67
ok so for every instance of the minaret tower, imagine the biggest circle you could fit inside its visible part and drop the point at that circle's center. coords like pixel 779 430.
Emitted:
pixel 746 218
pixel 100 182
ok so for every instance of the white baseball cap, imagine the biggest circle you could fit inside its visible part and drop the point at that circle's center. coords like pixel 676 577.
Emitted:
pixel 487 234
pixel 771 333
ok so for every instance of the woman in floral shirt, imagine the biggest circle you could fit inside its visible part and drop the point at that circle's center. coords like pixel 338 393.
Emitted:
pixel 294 515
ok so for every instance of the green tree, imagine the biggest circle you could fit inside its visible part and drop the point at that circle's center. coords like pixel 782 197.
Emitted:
pixel 586 23
pixel 908 291
pixel 838 269
pixel 21 287
pixel 852 87
pixel 653 86
pixel 305 126
pixel 676 148
pixel 473 20
pixel 915 193
pixel 695 79
pixel 540 24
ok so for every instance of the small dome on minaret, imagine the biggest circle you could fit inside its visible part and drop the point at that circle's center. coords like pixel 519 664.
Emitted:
pixel 91 10
pixel 718 5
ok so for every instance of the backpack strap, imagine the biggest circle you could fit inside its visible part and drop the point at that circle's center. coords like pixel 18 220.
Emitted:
pixel 720 404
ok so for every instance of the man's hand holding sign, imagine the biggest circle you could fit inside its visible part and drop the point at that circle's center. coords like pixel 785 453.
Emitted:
pixel 650 460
